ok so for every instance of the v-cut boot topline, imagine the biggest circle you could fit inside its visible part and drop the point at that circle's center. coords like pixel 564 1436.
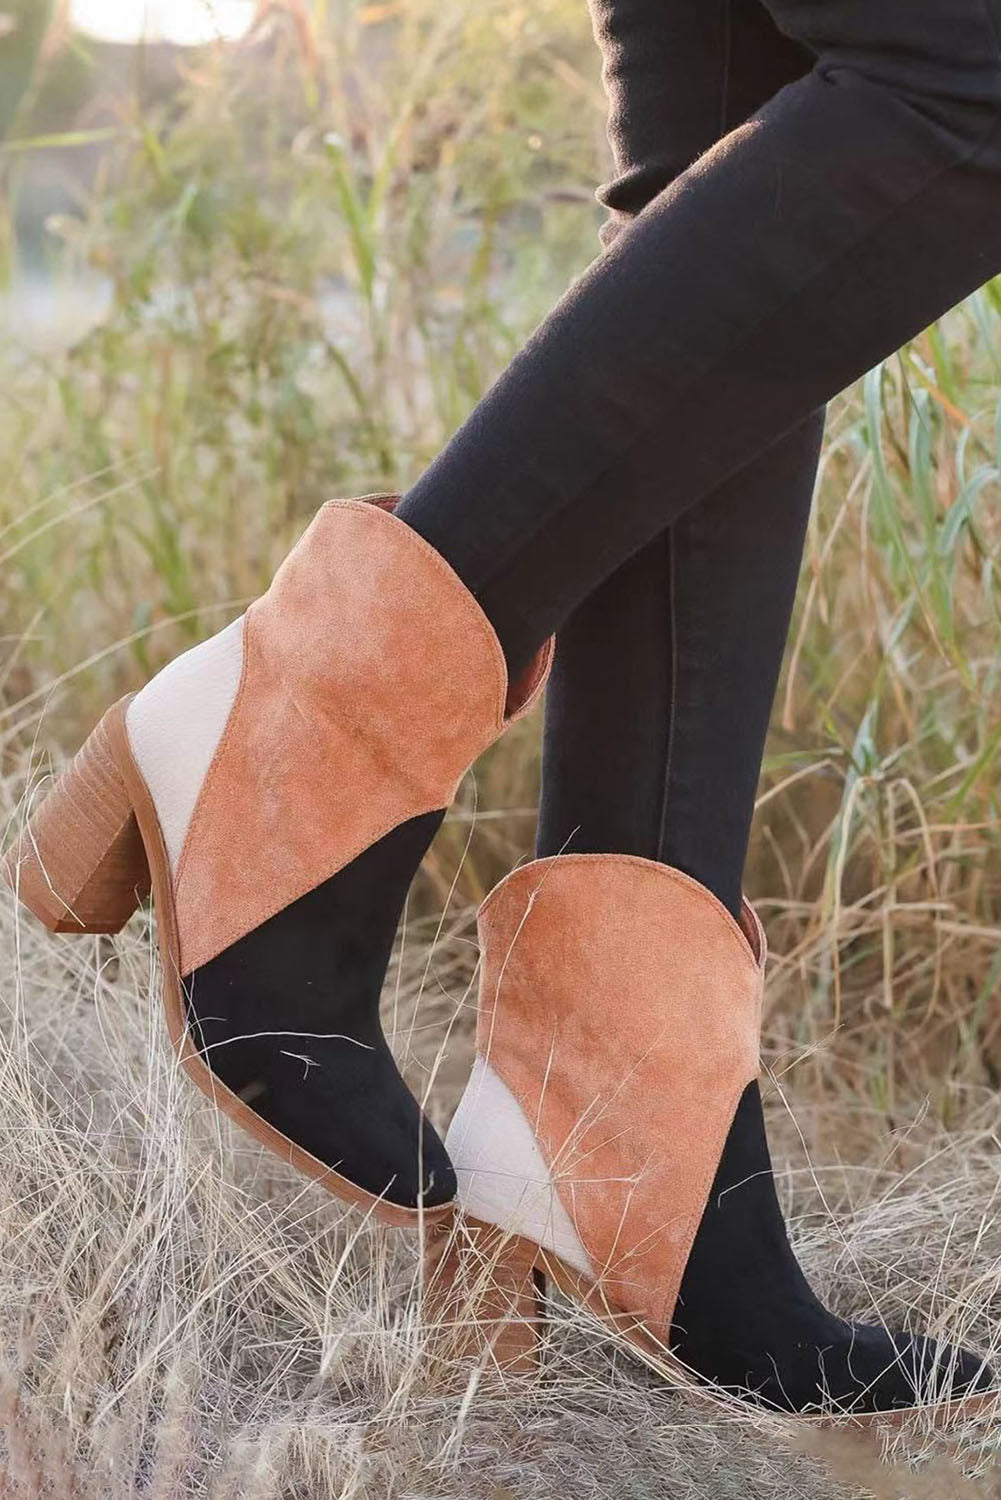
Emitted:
pixel 345 706
pixel 608 1141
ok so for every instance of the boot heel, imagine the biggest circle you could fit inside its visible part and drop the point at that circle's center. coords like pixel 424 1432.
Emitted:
pixel 484 1295
pixel 80 865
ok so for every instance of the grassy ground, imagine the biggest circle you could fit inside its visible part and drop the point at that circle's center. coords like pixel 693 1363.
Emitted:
pixel 312 256
pixel 181 1317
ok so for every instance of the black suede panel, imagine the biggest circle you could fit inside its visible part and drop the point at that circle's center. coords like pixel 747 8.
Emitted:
pixel 748 1320
pixel 288 1018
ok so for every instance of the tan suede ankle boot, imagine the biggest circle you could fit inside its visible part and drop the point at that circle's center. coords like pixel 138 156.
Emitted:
pixel 617 1037
pixel 352 697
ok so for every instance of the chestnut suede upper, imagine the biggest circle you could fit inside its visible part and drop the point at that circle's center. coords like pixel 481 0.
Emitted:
pixel 621 1004
pixel 371 682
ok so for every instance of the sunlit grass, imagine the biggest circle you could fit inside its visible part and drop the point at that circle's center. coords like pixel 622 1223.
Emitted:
pixel 186 23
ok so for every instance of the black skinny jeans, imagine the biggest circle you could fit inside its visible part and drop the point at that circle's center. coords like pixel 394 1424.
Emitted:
pixel 858 202
pixel 660 696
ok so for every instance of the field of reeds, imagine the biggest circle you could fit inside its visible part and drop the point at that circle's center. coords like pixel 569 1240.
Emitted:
pixel 238 281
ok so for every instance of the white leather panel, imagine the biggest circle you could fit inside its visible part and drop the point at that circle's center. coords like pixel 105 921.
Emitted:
pixel 175 723
pixel 503 1177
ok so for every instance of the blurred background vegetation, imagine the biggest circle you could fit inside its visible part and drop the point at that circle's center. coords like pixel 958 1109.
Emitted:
pixel 240 278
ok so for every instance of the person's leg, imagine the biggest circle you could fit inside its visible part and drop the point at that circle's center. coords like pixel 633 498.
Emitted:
pixel 659 701
pixel 662 687
pixel 658 708
pixel 858 204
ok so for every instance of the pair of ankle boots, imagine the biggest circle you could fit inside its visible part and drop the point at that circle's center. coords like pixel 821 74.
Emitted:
pixel 273 783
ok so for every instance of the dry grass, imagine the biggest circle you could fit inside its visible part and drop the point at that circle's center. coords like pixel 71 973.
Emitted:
pixel 181 1317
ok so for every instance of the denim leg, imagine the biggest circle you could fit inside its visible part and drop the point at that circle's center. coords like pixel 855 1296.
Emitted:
pixel 662 688
pixel 857 204
pixel 737 559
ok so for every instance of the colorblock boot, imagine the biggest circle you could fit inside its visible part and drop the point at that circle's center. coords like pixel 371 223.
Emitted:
pixel 270 785
pixel 611 1140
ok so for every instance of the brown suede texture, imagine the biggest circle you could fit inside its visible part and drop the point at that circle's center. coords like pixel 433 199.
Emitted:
pixel 371 682
pixel 621 1004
